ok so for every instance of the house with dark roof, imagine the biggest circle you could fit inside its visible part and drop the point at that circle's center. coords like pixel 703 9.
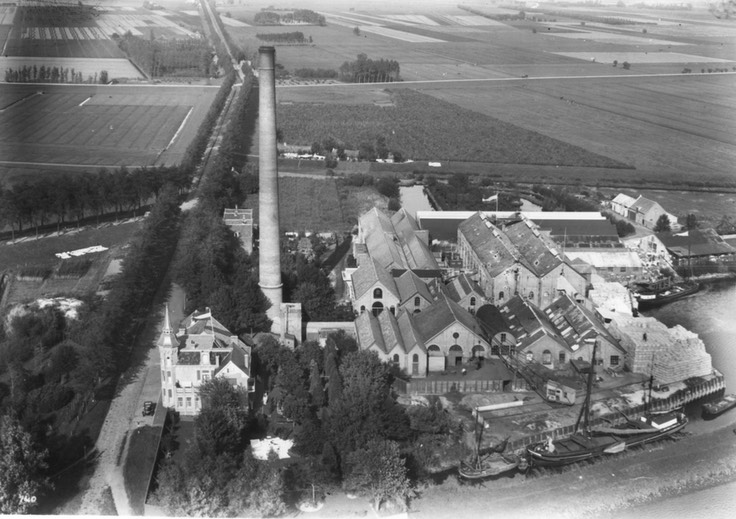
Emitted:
pixel 442 335
pixel 201 350
pixel 516 259
pixel 697 247
pixel 646 212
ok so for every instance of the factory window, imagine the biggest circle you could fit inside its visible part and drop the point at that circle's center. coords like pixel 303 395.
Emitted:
pixel 168 375
pixel 472 301
pixel 562 357
pixel 377 293
pixel 455 335
pixel 415 364
pixel 500 295
pixel 396 359
pixel 189 401
pixel 393 310
pixel 179 402
pixel 362 309
pixel 417 301
pixel 531 294
pixel 377 308
pixel 547 357
pixel 503 337
pixel 530 357
pixel 615 360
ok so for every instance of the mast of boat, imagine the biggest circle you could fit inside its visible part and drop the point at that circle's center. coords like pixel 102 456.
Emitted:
pixel 584 415
pixel 651 383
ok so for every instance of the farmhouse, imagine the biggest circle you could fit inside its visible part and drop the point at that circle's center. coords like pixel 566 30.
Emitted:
pixel 621 204
pixel 515 259
pixel 646 212
pixel 201 350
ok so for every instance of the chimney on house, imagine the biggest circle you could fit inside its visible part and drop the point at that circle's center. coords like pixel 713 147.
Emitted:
pixel 268 196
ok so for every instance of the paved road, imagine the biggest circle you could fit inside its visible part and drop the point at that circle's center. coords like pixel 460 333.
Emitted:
pixel 124 417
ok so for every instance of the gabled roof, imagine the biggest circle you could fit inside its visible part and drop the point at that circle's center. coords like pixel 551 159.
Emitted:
pixel 492 321
pixel 540 257
pixel 624 200
pixel 527 322
pixel 575 323
pixel 238 358
pixel 410 285
pixel 368 274
pixel 408 333
pixel 203 332
pixel 461 286
pixel 382 331
pixel 440 315
pixel 644 205
pixel 490 245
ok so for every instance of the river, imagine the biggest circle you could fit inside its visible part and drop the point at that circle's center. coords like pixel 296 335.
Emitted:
pixel 413 199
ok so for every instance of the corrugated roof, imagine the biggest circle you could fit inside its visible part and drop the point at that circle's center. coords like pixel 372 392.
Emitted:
pixel 624 200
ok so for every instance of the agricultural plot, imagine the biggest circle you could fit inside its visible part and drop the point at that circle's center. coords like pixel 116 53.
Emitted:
pixel 399 35
pixel 422 128
pixel 677 128
pixel 309 204
pixel 101 125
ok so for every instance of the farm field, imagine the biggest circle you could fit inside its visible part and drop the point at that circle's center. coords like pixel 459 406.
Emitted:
pixel 425 129
pixel 89 67
pixel 36 33
pixel 101 125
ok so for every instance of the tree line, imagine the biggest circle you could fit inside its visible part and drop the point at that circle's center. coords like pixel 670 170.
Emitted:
pixel 44 74
pixel 303 16
pixel 64 199
pixel 285 37
pixel 365 70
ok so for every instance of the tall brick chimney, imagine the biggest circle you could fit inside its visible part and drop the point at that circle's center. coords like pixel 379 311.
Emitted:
pixel 268 197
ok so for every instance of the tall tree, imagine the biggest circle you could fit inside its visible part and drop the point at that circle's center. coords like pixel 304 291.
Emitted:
pixel 663 224
pixel 21 477
pixel 378 471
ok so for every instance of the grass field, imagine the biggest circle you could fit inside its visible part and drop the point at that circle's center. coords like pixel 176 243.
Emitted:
pixel 100 125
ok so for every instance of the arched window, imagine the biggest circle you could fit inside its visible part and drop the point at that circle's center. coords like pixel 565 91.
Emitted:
pixel 377 308
pixel 479 351
pixel 434 351
pixel 500 295
pixel 362 308
pixel 546 357
pixel 396 359
pixel 472 301
pixel 562 357
pixel 415 364
pixel 455 355
pixel 417 301
pixel 417 310
pixel 531 294
pixel 377 293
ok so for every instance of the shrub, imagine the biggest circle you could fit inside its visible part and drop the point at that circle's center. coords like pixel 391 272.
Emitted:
pixel 49 398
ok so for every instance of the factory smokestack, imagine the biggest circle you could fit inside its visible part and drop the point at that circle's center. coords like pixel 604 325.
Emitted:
pixel 269 254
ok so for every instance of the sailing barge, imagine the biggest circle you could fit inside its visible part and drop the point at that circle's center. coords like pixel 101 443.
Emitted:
pixel 490 462
pixel 663 291
pixel 588 443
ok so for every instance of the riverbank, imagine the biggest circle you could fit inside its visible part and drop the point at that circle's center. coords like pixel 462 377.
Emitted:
pixel 703 458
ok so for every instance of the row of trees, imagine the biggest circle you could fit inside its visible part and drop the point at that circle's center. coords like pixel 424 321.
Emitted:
pixel 63 199
pixel 44 74
pixel 159 58
pixel 365 70
pixel 285 37
pixel 298 16
pixel 316 73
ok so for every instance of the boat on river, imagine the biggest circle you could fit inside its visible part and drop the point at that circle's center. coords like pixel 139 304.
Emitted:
pixel 663 291
pixel 720 406
pixel 589 443
pixel 489 462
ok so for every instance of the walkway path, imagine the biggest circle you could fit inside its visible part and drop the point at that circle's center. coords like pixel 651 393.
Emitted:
pixel 139 384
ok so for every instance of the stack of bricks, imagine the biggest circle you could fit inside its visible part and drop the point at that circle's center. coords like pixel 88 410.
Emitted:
pixel 670 354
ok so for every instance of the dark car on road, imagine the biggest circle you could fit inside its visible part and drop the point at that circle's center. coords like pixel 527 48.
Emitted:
pixel 148 408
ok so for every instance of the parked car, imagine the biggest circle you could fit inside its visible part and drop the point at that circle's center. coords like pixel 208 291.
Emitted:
pixel 148 408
